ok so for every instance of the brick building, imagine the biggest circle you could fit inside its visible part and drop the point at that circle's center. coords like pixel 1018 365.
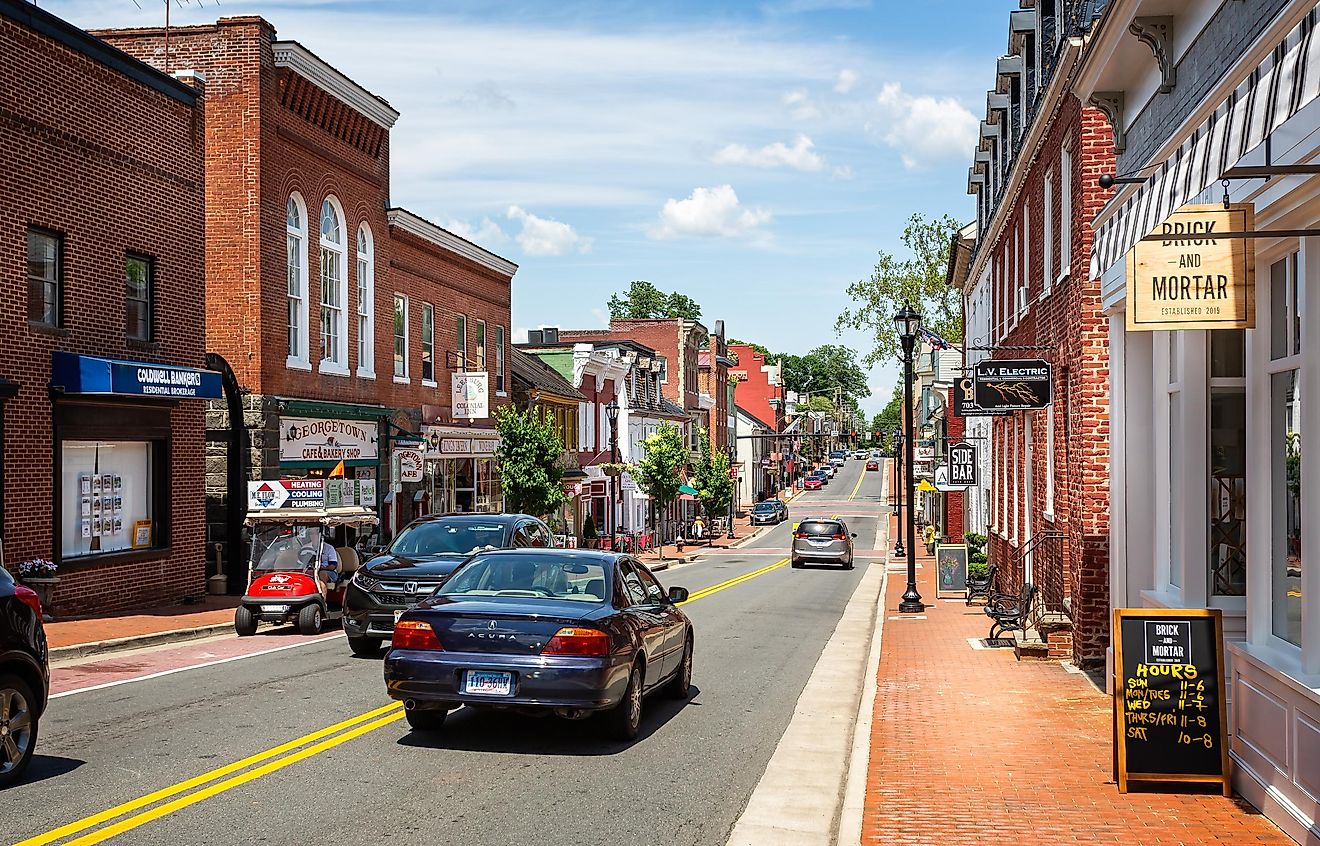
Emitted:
pixel 102 263
pixel 340 318
pixel 713 365
pixel 1028 289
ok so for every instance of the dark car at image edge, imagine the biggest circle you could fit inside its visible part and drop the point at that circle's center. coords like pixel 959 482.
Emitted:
pixel 24 676
pixel 417 561
pixel 569 632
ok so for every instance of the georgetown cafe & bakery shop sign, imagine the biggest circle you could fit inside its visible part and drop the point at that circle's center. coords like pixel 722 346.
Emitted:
pixel 1181 276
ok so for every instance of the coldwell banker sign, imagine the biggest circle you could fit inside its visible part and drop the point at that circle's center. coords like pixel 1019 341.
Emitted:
pixel 1013 385
pixel 1182 277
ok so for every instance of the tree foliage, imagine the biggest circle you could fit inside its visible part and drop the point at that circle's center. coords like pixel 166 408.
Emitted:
pixel 711 477
pixel 890 417
pixel 644 301
pixel 758 347
pixel 658 473
pixel 917 280
pixel 825 368
pixel 528 456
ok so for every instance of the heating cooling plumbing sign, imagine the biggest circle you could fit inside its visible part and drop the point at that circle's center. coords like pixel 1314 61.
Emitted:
pixel 1013 385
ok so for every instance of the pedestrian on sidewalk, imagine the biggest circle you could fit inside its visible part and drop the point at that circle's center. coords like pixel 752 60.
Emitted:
pixel 698 529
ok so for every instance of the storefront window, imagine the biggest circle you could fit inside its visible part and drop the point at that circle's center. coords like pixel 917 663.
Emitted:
pixel 464 484
pixel 1286 452
pixel 1228 491
pixel 107 497
pixel 490 495
pixel 1175 475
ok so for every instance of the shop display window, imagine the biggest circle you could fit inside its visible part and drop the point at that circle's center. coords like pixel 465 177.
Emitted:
pixel 107 491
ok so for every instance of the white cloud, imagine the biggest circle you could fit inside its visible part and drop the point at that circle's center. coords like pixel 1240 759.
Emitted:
pixel 924 129
pixel 847 79
pixel 800 105
pixel 541 236
pixel 483 234
pixel 709 213
pixel 801 156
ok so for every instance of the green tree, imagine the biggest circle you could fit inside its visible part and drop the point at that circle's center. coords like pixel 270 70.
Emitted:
pixel 825 368
pixel 818 403
pixel 644 301
pixel 528 457
pixel 711 478
pixel 758 347
pixel 658 473
pixel 890 417
pixel 917 281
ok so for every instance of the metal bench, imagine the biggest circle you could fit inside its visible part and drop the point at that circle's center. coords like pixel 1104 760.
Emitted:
pixel 982 587
pixel 1009 612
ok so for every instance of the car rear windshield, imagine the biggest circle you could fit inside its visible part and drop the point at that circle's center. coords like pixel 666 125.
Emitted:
pixel 764 506
pixel 438 537
pixel 527 577
pixel 817 528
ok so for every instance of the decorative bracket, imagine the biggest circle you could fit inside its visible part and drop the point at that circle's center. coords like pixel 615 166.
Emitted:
pixel 1111 104
pixel 1157 34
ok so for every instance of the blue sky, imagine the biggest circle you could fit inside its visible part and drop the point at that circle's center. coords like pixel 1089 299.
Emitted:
pixel 754 156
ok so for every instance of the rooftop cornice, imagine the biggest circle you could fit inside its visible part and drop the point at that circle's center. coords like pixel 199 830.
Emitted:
pixel 305 63
pixel 428 231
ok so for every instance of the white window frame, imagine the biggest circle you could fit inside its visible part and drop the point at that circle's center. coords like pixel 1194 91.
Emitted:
pixel 337 252
pixel 501 386
pixel 1065 211
pixel 1049 461
pixel 366 302
pixel 296 307
pixel 461 341
pixel 395 357
pixel 482 342
pixel 428 310
pixel 1017 482
pixel 1047 279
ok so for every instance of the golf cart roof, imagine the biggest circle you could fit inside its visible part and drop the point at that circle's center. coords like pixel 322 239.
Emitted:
pixel 348 516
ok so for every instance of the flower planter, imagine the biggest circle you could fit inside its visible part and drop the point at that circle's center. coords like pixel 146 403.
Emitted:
pixel 43 587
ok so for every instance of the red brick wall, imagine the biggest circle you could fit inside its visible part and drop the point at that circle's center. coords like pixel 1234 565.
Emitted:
pixel 663 336
pixel 755 392
pixel 955 526
pixel 273 133
pixel 1073 573
pixel 74 152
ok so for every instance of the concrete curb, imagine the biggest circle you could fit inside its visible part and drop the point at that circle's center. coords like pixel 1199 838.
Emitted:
pixel 800 796
pixel 121 644
pixel 859 763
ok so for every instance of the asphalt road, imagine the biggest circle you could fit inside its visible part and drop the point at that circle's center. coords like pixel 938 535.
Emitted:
pixel 138 762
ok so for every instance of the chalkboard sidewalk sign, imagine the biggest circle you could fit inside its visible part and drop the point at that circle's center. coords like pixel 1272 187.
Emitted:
pixel 951 567
pixel 1169 714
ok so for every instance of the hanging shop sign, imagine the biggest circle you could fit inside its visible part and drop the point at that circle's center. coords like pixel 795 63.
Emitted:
pixel 1169 708
pixel 442 442
pixel 1013 385
pixel 924 452
pixel 964 400
pixel 410 462
pixel 471 400
pixel 85 374
pixel 1189 279
pixel 962 465
pixel 942 483
pixel 319 439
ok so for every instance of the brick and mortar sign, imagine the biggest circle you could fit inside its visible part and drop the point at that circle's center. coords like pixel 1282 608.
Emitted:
pixel 1189 279
pixel 319 439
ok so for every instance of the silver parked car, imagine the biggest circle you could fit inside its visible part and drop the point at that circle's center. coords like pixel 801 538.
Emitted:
pixel 823 539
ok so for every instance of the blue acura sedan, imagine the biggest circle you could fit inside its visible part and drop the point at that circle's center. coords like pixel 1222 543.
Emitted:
pixel 573 632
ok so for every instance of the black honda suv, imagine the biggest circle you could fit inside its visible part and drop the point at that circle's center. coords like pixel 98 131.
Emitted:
pixel 24 676
pixel 418 561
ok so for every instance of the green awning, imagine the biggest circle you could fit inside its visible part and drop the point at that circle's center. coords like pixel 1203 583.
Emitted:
pixel 687 489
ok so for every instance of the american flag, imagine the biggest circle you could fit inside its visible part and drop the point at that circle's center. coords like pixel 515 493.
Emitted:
pixel 935 341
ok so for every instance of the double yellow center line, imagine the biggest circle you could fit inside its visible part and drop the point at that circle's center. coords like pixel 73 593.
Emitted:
pixel 229 776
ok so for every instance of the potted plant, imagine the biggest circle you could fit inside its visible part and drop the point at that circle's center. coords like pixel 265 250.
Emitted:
pixel 589 533
pixel 39 574
pixel 977 562
pixel 614 469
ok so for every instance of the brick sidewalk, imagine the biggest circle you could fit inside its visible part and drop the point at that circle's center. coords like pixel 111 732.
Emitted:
pixel 216 610
pixel 972 746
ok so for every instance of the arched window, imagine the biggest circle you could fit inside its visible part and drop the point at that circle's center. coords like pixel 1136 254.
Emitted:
pixel 334 328
pixel 366 303
pixel 296 227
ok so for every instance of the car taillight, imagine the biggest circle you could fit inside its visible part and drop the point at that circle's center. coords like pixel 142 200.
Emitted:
pixel 574 641
pixel 839 536
pixel 415 634
pixel 801 535
pixel 28 597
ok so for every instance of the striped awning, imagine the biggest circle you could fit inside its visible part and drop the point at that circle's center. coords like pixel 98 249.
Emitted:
pixel 1287 80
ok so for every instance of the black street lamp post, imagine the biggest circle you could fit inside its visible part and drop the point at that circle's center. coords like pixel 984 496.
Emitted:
pixel 616 486
pixel 737 481
pixel 908 324
pixel 898 494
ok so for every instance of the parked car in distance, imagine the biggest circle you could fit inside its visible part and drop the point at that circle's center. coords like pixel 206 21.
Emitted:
pixel 821 473
pixel 812 483
pixel 566 631
pixel 841 454
pixel 24 676
pixel 769 512
pixel 823 539
pixel 418 561
pixel 829 470
pixel 872 464
pixel 859 454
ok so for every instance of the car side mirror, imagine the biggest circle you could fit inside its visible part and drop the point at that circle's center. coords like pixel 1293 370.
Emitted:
pixel 677 595
pixel 854 534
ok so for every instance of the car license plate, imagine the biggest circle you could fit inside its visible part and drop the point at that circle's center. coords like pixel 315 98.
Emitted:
pixel 487 682
pixel 819 542
pixel 397 615
pixel 274 609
